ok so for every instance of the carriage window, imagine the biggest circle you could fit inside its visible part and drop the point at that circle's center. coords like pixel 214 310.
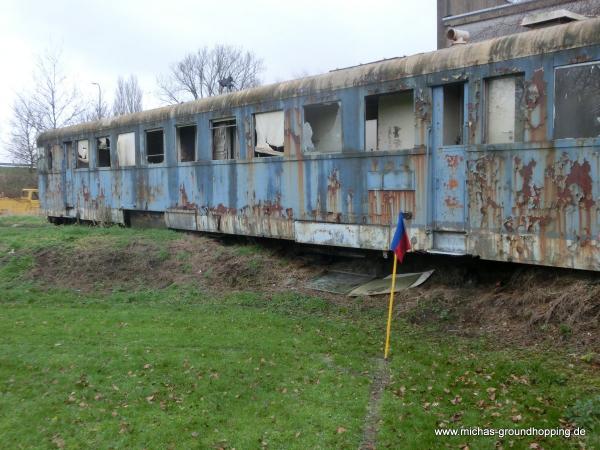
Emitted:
pixel 322 128
pixel 390 121
pixel 453 114
pixel 56 157
pixel 224 139
pixel 268 132
pixel 69 154
pixel 186 143
pixel 83 156
pixel 155 146
pixel 48 154
pixel 576 107
pixel 126 149
pixel 103 149
pixel 503 97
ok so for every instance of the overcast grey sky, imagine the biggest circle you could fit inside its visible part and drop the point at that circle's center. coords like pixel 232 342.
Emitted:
pixel 101 40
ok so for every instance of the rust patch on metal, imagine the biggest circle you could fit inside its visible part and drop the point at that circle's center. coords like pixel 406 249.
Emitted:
pixel 334 187
pixel 529 194
pixel 535 104
pixel 452 184
pixel 185 203
pixel 452 202
pixel 453 161
pixel 579 59
pixel 384 206
pixel 484 179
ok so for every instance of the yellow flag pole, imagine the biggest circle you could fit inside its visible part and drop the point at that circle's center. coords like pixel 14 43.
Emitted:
pixel 391 307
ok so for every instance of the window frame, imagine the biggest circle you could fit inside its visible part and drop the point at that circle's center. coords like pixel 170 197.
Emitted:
pixel 238 143
pixel 377 96
pixel 178 126
pixel 69 155
pixel 135 150
pixel 97 150
pixel 340 113
pixel 255 135
pixel 518 126
pixel 77 141
pixel 554 87
pixel 164 146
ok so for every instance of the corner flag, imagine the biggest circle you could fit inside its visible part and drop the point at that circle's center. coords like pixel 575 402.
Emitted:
pixel 400 243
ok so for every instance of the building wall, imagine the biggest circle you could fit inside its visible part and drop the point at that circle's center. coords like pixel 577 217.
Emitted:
pixel 487 19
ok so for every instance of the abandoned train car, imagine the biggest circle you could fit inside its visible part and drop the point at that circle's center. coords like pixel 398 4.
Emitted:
pixel 491 148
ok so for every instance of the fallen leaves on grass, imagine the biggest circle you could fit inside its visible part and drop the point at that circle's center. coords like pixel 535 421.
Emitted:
pixel 456 400
pixel 58 441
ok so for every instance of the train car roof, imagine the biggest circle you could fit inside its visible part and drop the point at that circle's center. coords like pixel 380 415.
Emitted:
pixel 530 43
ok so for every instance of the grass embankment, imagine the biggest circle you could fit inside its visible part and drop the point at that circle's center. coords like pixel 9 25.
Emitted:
pixel 116 353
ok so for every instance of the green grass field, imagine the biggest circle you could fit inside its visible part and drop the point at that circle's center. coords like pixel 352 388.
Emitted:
pixel 185 367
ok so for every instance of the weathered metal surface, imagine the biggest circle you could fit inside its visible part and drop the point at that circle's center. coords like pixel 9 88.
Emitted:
pixel 537 205
pixel 533 201
pixel 343 235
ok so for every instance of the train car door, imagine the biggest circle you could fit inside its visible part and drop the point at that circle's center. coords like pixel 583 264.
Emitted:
pixel 69 165
pixel 448 165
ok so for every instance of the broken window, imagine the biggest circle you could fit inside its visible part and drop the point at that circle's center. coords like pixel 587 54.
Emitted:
pixel 268 132
pixel 69 154
pixel 103 152
pixel 155 146
pixel 576 105
pixel 503 99
pixel 322 128
pixel 126 149
pixel 186 143
pixel 224 139
pixel 453 114
pixel 390 121
pixel 83 155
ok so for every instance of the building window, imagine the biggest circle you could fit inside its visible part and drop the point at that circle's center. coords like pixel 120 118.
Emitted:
pixel 83 154
pixel 268 134
pixel 576 101
pixel 126 149
pixel 390 121
pixel 103 152
pixel 155 146
pixel 503 96
pixel 186 143
pixel 322 128
pixel 224 139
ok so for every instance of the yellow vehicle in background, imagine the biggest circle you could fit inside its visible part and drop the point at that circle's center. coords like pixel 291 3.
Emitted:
pixel 28 203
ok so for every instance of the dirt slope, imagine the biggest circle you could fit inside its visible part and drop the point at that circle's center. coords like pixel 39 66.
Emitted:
pixel 514 303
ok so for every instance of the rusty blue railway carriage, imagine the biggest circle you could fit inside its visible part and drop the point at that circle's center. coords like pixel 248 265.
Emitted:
pixel 492 149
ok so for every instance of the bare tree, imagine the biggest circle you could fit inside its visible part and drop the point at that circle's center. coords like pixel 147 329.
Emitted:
pixel 53 103
pixel 128 96
pixel 21 144
pixel 209 72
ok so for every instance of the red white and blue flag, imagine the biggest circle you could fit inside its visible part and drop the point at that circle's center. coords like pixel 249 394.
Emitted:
pixel 400 243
